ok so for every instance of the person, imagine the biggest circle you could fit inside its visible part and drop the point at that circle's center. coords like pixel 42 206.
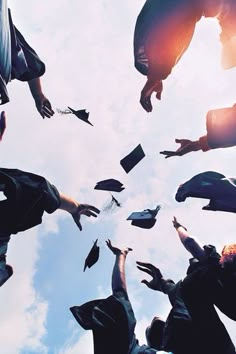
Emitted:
pixel 28 196
pixel 112 320
pixel 221 127
pixel 163 33
pixel 178 332
pixel 193 323
pixel 19 61
pixel 211 280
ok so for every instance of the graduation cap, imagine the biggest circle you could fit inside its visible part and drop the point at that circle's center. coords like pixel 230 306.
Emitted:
pixel 93 256
pixel 132 159
pixel 144 219
pixel 81 114
pixel 2 124
pixel 110 185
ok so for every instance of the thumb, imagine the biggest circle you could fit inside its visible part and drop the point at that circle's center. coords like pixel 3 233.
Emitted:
pixel 178 141
pixel 145 282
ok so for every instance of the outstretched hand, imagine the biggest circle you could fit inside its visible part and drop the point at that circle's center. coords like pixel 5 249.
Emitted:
pixel 117 251
pixel 176 224
pixel 84 209
pixel 155 283
pixel 146 94
pixel 186 146
pixel 44 106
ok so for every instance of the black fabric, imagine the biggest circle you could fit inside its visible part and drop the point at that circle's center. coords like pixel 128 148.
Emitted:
pixel 221 127
pixel 197 291
pixel 111 320
pixel 25 63
pixel 210 185
pixel 179 333
pixel 93 256
pixel 28 196
pixel 163 32
pixel 111 184
pixel 131 160
pixel 21 50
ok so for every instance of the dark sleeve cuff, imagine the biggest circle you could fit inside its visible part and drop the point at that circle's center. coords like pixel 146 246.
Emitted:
pixel 53 200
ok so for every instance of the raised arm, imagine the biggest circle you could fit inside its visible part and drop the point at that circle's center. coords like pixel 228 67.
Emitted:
pixel 118 275
pixel 43 105
pixel 188 241
pixel 76 209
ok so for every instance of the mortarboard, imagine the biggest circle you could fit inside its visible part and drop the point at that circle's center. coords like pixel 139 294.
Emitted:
pixel 81 114
pixel 132 159
pixel 93 256
pixel 110 185
pixel 2 124
pixel 144 219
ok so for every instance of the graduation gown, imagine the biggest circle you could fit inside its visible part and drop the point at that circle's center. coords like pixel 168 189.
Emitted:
pixel 208 284
pixel 163 32
pixel 28 197
pixel 17 59
pixel 210 185
pixel 113 322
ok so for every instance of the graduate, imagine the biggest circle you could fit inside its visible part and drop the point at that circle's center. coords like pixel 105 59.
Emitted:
pixel 163 32
pixel 19 61
pixel 211 280
pixel 112 319
pixel 221 133
pixel 193 325
pixel 28 196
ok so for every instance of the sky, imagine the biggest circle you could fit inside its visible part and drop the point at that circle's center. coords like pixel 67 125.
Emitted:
pixel 87 48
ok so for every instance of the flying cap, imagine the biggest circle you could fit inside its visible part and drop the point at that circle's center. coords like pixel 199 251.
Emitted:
pixel 93 256
pixel 111 185
pixel 131 160
pixel 144 219
pixel 81 114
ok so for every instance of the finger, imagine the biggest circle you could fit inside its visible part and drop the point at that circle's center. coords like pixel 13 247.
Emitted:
pixel 108 242
pixel 146 103
pixel 146 283
pixel 79 225
pixel 147 265
pixel 47 112
pixel 93 208
pixel 47 103
pixel 85 212
pixel 178 141
pixel 168 152
pixel 148 271
pixel 158 95
pixel 92 214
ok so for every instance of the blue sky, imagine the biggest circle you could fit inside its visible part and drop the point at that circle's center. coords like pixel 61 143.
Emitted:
pixel 87 48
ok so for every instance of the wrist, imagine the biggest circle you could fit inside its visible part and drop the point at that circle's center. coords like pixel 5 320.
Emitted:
pixel 177 225
pixel 73 209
